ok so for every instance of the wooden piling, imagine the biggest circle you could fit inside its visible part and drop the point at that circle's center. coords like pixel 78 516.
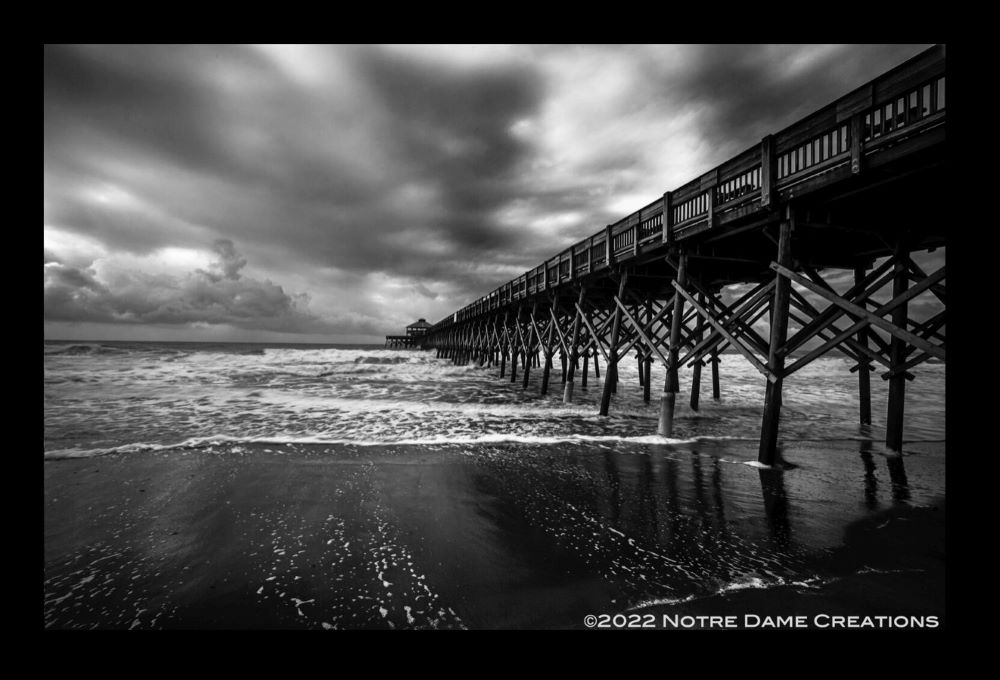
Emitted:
pixel 665 427
pixel 767 454
pixel 610 375
pixel 696 371
pixel 573 341
pixel 897 355
pixel 583 380
pixel 646 365
pixel 864 372
pixel 715 375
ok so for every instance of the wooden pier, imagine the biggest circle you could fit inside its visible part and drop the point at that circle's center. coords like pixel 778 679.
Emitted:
pixel 414 332
pixel 863 178
pixel 399 341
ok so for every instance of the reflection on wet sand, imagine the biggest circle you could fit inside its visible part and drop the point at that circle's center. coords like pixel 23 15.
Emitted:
pixel 500 536
pixel 772 486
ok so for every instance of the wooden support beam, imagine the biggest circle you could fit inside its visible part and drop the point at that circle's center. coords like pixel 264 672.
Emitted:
pixel 574 340
pixel 667 221
pixel 746 306
pixel 513 353
pixel 874 318
pixel 503 351
pixel 638 329
pixel 715 375
pixel 548 361
pixel 863 299
pixel 559 334
pixel 696 371
pixel 938 290
pixel 768 171
pixel 768 451
pixel 897 385
pixel 534 325
pixel 646 363
pixel 528 346
pixel 858 293
pixel 649 327
pixel 752 336
pixel 928 329
pixel 904 367
pixel 842 336
pixel 747 331
pixel 864 379
pixel 611 373
pixel 665 426
pixel 800 303
pixel 593 335
pixel 754 361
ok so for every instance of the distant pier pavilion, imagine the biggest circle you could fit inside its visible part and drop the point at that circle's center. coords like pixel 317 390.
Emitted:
pixel 414 332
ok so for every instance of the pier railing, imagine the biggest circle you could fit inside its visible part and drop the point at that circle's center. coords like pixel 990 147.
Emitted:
pixel 833 143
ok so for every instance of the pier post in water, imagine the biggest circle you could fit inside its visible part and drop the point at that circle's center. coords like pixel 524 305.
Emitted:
pixel 503 349
pixel 715 375
pixel 529 356
pixel 514 351
pixel 668 399
pixel 864 367
pixel 610 374
pixel 548 359
pixel 696 372
pixel 586 361
pixel 715 366
pixel 897 354
pixel 767 454
pixel 574 339
pixel 645 365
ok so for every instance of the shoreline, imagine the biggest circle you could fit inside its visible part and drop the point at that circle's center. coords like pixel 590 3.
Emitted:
pixel 501 536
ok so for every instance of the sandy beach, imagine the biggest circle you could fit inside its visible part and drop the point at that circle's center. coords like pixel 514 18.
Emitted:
pixel 511 536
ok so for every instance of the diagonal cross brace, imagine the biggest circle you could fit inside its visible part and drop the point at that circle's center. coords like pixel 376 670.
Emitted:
pixel 727 335
pixel 639 330
pixel 870 317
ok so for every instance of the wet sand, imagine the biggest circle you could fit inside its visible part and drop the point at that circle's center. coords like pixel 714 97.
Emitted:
pixel 506 536
pixel 891 564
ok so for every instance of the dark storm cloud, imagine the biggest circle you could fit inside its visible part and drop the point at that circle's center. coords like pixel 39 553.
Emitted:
pixel 743 92
pixel 217 296
pixel 383 180
pixel 229 263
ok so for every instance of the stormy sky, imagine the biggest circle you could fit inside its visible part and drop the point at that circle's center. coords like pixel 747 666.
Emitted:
pixel 338 193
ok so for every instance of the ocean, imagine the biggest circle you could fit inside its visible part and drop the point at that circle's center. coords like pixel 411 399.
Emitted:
pixel 199 485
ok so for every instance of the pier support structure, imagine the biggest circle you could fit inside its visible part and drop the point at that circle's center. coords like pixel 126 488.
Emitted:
pixel 672 384
pixel 691 275
pixel 767 452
